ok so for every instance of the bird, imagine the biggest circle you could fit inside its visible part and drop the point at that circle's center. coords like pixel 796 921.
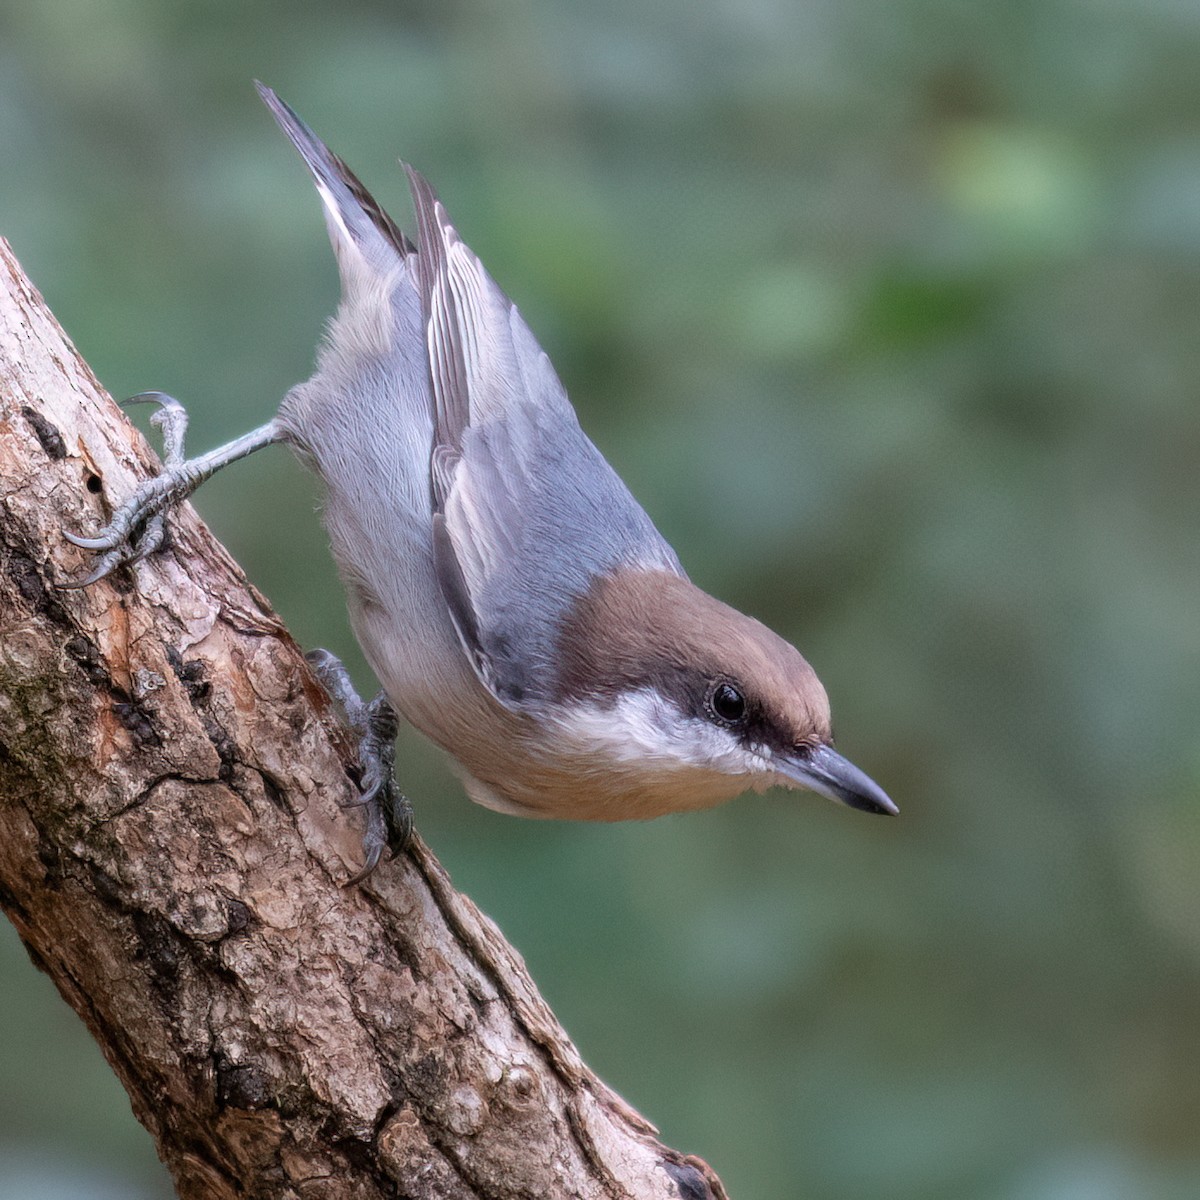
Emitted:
pixel 515 602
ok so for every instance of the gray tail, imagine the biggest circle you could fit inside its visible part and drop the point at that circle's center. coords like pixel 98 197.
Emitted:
pixel 351 211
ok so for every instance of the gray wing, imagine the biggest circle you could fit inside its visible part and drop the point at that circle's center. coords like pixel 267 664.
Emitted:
pixel 527 513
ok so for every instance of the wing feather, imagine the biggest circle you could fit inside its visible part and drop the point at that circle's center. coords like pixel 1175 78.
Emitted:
pixel 527 513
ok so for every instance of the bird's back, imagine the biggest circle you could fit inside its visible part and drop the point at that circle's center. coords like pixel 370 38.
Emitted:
pixel 468 511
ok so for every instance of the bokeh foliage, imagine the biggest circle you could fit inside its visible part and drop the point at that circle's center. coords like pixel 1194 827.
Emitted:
pixel 888 314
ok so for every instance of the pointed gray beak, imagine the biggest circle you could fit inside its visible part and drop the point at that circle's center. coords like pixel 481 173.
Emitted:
pixel 825 771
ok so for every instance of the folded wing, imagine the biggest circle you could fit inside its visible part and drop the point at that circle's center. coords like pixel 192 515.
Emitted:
pixel 526 511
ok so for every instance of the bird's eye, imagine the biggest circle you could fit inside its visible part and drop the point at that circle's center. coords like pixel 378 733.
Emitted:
pixel 727 703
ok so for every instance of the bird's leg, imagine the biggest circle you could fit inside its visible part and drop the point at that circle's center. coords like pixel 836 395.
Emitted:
pixel 389 812
pixel 137 528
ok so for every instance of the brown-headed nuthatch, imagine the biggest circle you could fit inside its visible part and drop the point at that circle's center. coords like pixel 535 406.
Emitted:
pixel 513 599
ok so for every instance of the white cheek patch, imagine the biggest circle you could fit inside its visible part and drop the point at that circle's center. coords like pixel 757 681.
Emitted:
pixel 643 730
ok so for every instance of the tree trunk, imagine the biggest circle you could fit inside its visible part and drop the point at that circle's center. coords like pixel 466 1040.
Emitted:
pixel 173 853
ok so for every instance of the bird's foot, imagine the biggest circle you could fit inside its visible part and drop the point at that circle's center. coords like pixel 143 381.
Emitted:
pixel 138 527
pixel 388 810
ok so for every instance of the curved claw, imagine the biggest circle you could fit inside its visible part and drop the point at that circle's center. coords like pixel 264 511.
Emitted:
pixel 107 564
pixel 374 854
pixel 105 541
pixel 118 548
pixel 115 556
pixel 374 793
pixel 374 844
pixel 160 398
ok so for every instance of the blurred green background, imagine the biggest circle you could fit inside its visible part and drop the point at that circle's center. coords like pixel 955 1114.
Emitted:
pixel 887 312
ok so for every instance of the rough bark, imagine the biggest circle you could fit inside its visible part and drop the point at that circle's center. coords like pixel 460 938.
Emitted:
pixel 173 852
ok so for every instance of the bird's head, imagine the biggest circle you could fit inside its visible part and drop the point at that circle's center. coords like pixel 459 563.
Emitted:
pixel 692 702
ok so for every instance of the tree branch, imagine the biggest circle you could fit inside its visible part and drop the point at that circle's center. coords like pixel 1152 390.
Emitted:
pixel 173 852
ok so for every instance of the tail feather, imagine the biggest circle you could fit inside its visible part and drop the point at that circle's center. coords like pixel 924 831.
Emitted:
pixel 355 219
